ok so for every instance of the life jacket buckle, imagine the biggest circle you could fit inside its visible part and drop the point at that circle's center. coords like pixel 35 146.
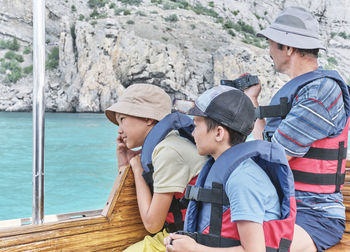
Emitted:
pixel 192 192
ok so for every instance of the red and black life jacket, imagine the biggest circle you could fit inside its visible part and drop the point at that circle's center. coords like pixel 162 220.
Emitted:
pixel 322 169
pixel 184 125
pixel 208 213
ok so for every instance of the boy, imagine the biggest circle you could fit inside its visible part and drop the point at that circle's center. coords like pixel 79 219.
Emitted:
pixel 168 161
pixel 245 190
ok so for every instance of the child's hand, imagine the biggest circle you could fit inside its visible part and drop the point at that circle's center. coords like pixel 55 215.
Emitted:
pixel 177 243
pixel 136 166
pixel 124 155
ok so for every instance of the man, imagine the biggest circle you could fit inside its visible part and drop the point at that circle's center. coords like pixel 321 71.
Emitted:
pixel 308 116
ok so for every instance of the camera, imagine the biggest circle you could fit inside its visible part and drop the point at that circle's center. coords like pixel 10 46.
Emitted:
pixel 242 83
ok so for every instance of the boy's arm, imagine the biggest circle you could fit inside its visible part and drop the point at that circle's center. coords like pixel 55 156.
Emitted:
pixel 251 235
pixel 153 210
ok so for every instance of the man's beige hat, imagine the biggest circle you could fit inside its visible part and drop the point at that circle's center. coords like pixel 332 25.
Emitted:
pixel 141 100
pixel 296 27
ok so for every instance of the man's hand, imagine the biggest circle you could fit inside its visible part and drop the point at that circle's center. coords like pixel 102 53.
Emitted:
pixel 253 93
pixel 124 155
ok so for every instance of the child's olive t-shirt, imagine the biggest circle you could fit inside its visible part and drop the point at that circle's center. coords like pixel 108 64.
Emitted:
pixel 252 195
pixel 176 161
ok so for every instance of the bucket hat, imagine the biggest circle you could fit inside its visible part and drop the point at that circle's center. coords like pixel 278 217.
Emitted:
pixel 295 27
pixel 141 100
pixel 228 106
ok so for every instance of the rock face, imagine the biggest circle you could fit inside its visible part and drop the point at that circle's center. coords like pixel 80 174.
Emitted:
pixel 165 43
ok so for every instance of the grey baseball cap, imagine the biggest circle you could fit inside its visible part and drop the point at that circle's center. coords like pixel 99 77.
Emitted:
pixel 228 106
pixel 295 27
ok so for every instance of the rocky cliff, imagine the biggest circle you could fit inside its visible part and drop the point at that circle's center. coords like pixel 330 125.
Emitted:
pixel 96 48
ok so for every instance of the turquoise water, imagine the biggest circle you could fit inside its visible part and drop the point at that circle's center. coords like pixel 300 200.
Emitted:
pixel 80 163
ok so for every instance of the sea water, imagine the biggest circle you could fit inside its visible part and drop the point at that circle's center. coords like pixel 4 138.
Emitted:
pixel 80 163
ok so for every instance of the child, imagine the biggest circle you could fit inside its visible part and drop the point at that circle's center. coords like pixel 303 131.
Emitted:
pixel 245 190
pixel 168 161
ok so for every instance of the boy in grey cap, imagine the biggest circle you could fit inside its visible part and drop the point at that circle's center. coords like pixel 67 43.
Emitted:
pixel 243 199
pixel 173 158
pixel 308 116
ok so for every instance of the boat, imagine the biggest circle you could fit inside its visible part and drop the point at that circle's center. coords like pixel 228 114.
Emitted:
pixel 113 228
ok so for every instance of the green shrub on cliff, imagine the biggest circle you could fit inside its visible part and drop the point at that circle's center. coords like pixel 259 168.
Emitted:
pixel 53 58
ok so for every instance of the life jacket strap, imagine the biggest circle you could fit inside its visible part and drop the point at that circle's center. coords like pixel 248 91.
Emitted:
pixel 211 240
pixel 213 195
pixel 318 179
pixel 175 208
pixel 326 154
pixel 173 227
pixel 280 110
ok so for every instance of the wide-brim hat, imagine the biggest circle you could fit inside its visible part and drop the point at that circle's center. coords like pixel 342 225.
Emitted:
pixel 141 100
pixel 294 27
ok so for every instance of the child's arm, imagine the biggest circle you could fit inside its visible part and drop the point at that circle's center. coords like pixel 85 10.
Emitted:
pixel 153 210
pixel 251 235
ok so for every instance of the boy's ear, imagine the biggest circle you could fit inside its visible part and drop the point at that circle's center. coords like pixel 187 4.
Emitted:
pixel 150 122
pixel 220 134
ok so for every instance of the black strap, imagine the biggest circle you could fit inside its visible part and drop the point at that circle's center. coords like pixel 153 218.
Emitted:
pixel 175 209
pixel 211 240
pixel 173 227
pixel 327 154
pixel 284 245
pixel 340 178
pixel 318 179
pixel 214 195
pixel 216 209
pixel 280 110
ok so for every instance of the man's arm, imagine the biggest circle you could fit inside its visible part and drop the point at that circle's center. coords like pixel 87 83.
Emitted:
pixel 153 210
pixel 259 125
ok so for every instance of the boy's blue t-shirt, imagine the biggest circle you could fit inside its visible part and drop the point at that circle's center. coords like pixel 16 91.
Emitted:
pixel 252 195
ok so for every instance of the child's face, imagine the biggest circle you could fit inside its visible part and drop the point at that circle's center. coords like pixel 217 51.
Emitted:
pixel 133 130
pixel 205 141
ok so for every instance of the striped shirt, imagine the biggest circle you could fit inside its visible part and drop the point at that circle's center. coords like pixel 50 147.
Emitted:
pixel 317 112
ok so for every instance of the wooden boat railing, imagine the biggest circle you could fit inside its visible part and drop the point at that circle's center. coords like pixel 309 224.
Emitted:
pixel 113 228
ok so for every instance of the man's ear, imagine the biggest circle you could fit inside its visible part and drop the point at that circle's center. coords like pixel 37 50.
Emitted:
pixel 220 134
pixel 290 50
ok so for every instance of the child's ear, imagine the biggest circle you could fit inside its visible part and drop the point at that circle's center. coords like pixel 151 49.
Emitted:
pixel 150 122
pixel 220 134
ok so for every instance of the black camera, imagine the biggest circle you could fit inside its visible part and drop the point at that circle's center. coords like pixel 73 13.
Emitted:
pixel 242 83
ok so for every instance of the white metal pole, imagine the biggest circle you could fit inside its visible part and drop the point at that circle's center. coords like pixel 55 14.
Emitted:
pixel 38 110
